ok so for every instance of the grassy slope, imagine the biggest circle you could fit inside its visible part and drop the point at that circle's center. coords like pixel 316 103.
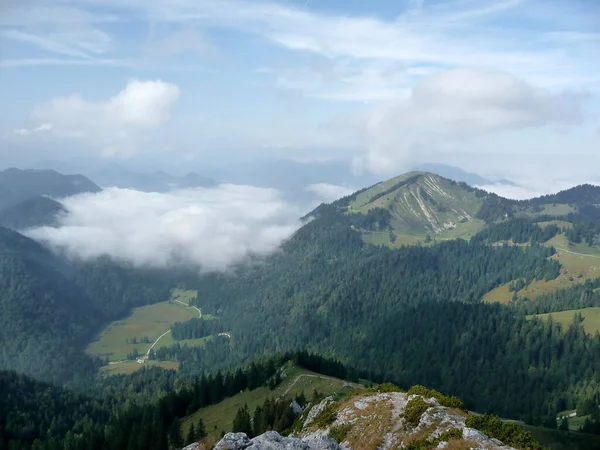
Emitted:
pixel 576 269
pixel 416 214
pixel 559 209
pixel 220 416
pixel 151 321
pixel 591 316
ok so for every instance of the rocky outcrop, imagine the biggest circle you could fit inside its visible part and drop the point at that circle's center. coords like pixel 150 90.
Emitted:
pixel 377 420
pixel 374 421
pixel 271 440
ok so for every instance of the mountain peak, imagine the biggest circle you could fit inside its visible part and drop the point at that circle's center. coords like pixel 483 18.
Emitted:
pixel 419 202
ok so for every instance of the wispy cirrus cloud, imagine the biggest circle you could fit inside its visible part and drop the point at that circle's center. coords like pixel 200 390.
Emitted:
pixel 78 44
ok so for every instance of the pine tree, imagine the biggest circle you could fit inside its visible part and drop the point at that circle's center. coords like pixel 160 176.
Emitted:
pixel 564 424
pixel 242 422
pixel 200 430
pixel 175 438
pixel 191 435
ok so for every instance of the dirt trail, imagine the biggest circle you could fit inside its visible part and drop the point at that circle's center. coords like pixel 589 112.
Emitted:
pixel 190 306
pixel 323 377
pixel 560 249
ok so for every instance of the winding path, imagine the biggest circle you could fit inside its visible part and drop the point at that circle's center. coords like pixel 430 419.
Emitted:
pixel 145 357
pixel 308 375
pixel 190 306
pixel 560 249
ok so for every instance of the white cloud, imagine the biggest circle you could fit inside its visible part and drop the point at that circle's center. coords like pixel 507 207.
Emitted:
pixel 142 103
pixel 40 129
pixel 455 105
pixel 515 192
pixel 113 123
pixel 214 227
pixel 329 192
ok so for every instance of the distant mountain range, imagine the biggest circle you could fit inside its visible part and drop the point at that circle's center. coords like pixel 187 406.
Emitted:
pixel 112 174
pixel 24 195
pixel 18 185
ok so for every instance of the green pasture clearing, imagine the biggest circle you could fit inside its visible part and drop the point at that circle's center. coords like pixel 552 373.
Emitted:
pixel 383 238
pixel 151 321
pixel 501 294
pixel 579 263
pixel 465 230
pixel 220 416
pixel 591 318
pixel 183 295
pixel 168 341
pixel 562 224
pixel 559 209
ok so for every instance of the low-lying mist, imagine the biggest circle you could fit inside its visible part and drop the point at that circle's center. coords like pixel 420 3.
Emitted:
pixel 211 227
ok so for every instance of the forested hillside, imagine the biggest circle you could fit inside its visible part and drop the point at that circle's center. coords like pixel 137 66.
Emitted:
pixel 415 313
pixel 51 307
pixel 410 314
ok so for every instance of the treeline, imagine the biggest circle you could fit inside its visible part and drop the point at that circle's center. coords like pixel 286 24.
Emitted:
pixel 519 231
pixel 195 329
pixel 412 315
pixel 273 414
pixel 376 219
pixel 576 297
pixel 584 231
pixel 137 411
pixel 52 306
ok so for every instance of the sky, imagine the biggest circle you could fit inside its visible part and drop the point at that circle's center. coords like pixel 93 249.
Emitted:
pixel 350 90
pixel 509 88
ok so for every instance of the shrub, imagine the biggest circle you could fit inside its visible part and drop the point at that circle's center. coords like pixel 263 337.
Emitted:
pixel 509 433
pixel 444 400
pixel 414 410
pixel 454 433
pixel 340 432
pixel 327 416
pixel 426 444
pixel 388 387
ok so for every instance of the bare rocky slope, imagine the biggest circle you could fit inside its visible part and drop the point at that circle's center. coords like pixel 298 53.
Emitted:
pixel 383 421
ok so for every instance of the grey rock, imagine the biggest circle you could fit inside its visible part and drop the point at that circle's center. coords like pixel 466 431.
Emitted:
pixel 471 434
pixel 296 408
pixel 271 440
pixel 194 446
pixel 233 441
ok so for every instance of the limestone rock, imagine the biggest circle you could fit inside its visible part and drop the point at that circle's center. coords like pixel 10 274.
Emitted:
pixel 233 441
pixel 271 440
pixel 296 408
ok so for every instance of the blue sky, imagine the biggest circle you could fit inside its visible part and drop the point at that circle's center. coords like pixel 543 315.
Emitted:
pixel 384 84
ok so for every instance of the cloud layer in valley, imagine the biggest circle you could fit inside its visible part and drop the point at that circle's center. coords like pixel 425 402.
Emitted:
pixel 213 228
